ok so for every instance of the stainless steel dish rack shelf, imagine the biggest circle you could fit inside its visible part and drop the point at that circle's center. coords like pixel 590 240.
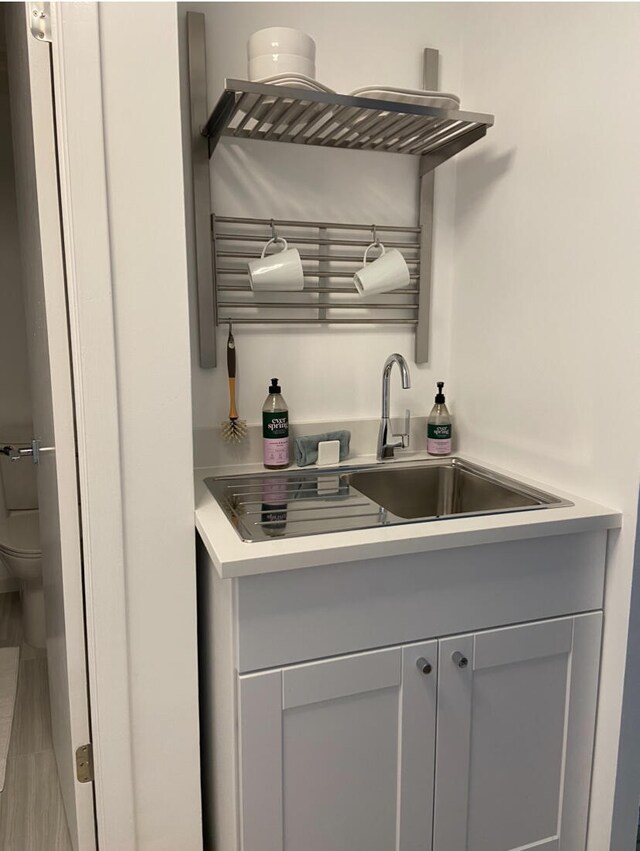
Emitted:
pixel 281 114
pixel 331 252
pixel 257 111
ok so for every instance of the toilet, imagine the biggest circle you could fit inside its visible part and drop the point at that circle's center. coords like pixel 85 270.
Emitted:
pixel 20 550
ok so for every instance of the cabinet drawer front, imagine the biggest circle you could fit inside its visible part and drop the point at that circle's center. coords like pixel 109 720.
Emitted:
pixel 293 616
pixel 340 678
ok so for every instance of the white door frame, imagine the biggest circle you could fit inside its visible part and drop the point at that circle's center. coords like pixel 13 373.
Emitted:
pixel 84 204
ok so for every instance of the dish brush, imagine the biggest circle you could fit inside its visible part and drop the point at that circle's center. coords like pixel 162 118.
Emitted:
pixel 234 429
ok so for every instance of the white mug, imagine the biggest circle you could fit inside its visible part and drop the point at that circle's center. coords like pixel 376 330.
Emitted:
pixel 279 271
pixel 384 274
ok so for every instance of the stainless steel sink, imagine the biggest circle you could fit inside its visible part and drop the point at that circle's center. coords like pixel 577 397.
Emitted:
pixel 443 490
pixel 308 502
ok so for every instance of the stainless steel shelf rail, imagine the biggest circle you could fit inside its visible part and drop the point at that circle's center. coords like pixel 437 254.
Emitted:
pixel 282 114
pixel 329 295
pixel 264 112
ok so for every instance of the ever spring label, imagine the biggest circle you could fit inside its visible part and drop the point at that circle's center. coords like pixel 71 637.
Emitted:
pixel 439 432
pixel 275 425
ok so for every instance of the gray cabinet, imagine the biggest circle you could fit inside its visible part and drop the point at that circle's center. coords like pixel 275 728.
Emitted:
pixel 343 754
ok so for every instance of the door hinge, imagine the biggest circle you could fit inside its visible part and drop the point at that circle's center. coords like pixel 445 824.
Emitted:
pixel 40 21
pixel 84 763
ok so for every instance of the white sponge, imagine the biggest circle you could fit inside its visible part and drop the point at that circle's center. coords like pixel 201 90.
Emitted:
pixel 328 453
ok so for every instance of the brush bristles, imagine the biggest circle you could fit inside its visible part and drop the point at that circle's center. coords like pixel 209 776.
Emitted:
pixel 233 430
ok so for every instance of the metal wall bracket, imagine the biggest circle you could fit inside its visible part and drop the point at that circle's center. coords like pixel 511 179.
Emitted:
pixel 207 319
pixel 425 220
pixel 84 763
pixel 40 21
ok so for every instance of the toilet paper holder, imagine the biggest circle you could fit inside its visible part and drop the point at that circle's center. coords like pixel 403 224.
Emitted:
pixel 16 453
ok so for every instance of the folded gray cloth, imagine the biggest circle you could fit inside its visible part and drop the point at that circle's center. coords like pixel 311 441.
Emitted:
pixel 306 448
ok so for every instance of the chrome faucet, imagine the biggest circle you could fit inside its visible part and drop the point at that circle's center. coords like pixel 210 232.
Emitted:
pixel 386 449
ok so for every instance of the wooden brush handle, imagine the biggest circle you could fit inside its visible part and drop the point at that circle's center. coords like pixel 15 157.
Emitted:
pixel 233 413
pixel 231 371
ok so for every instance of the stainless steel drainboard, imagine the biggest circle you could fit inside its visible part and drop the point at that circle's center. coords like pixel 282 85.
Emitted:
pixel 293 503
pixel 279 505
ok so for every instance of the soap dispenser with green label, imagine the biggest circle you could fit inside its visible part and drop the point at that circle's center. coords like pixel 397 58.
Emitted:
pixel 275 429
pixel 439 426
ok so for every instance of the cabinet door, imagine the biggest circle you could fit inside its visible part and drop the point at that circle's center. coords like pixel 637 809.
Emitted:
pixel 338 755
pixel 515 736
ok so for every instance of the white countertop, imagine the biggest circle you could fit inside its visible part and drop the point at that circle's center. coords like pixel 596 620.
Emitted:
pixel 234 557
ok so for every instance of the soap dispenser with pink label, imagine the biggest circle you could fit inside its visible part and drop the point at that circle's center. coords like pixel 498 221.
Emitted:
pixel 275 429
pixel 439 426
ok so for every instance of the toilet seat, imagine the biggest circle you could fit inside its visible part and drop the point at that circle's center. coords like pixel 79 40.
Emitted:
pixel 20 535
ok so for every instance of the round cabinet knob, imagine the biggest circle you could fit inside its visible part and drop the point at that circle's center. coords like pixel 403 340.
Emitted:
pixel 460 660
pixel 424 666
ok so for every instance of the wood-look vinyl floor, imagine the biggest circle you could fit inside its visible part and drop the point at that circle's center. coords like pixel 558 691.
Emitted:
pixel 31 811
pixel 9 664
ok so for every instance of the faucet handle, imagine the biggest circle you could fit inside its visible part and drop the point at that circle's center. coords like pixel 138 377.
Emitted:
pixel 406 437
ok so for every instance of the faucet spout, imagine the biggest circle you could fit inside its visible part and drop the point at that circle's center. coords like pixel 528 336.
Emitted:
pixel 385 448
pixel 386 379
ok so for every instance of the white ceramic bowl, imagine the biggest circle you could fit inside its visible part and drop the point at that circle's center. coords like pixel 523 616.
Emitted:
pixel 420 97
pixel 281 40
pixel 280 63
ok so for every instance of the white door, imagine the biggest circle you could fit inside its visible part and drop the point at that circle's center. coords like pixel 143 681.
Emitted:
pixel 338 755
pixel 516 717
pixel 51 383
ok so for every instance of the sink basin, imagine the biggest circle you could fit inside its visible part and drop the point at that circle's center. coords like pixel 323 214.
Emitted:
pixel 448 488
pixel 291 503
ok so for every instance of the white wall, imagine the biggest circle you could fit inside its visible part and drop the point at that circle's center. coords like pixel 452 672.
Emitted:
pixel 140 86
pixel 329 374
pixel 546 304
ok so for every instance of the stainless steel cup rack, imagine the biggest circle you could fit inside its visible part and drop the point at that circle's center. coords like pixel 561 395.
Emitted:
pixel 330 252
pixel 257 111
